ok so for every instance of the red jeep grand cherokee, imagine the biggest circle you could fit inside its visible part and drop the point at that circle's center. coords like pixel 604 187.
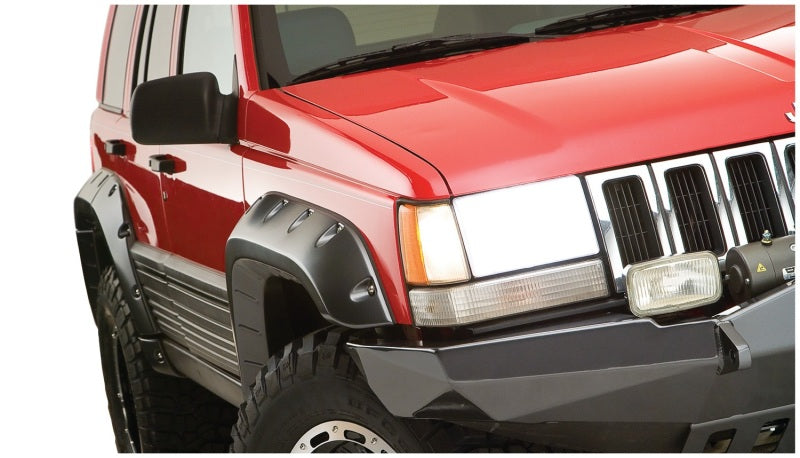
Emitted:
pixel 444 228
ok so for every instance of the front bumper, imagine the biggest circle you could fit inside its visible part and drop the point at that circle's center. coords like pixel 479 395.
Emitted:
pixel 613 383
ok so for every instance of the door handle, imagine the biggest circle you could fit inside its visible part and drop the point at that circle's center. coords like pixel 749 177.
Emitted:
pixel 162 163
pixel 115 147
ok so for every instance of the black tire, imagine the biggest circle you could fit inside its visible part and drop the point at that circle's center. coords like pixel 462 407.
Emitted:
pixel 314 389
pixel 150 411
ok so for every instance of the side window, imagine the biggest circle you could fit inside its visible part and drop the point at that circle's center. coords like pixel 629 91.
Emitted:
pixel 117 56
pixel 156 43
pixel 161 42
pixel 208 43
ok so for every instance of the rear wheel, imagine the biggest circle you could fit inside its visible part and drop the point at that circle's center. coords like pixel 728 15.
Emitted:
pixel 150 411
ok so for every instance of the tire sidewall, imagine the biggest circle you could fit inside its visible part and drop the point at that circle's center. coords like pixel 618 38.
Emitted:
pixel 111 358
pixel 308 403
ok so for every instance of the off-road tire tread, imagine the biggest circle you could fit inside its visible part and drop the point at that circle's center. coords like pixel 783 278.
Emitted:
pixel 323 353
pixel 173 414
pixel 318 354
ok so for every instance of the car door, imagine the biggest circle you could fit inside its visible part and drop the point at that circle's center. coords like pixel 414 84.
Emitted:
pixel 203 197
pixel 112 141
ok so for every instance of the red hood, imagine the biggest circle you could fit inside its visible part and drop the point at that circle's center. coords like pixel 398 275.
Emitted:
pixel 529 112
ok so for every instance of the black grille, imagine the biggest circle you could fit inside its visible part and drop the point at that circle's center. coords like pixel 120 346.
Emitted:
pixel 758 204
pixel 632 220
pixel 790 165
pixel 694 209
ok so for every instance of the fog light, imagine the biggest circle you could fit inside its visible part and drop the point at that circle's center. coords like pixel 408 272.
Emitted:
pixel 672 284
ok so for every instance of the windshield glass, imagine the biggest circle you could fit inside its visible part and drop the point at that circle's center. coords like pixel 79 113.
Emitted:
pixel 293 40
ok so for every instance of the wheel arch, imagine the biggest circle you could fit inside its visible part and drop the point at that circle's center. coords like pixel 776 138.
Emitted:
pixel 282 240
pixel 104 236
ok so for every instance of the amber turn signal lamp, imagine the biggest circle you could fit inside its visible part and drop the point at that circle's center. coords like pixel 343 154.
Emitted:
pixel 431 245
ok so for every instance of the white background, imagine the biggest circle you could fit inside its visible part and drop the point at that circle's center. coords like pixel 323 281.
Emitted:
pixel 52 399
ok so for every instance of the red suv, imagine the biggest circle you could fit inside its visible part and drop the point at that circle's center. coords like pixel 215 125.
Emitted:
pixel 444 228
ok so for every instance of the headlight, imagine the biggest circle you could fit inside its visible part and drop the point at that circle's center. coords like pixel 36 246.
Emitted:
pixel 431 245
pixel 526 226
pixel 672 284
pixel 541 231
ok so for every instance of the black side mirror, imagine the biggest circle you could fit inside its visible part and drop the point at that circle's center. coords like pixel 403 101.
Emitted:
pixel 183 109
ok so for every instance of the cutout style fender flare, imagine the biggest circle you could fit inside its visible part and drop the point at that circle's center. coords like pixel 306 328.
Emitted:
pixel 100 211
pixel 292 239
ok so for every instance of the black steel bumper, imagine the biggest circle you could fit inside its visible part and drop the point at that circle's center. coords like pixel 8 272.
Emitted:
pixel 608 384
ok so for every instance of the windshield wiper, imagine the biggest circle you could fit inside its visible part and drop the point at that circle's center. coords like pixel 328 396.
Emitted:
pixel 616 16
pixel 413 52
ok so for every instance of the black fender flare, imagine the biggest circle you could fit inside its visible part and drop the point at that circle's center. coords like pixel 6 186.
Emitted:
pixel 296 240
pixel 101 212
pixel 101 202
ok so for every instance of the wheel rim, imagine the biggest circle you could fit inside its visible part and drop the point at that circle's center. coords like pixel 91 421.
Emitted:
pixel 341 437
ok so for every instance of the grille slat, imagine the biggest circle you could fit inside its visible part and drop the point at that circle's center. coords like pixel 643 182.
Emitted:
pixel 755 196
pixel 719 200
pixel 698 223
pixel 630 215
pixel 756 199
pixel 790 164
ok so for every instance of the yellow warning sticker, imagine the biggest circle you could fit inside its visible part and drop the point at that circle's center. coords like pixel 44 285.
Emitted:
pixel 761 268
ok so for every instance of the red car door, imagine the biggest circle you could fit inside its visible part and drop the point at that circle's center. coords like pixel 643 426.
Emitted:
pixel 203 198
pixel 112 143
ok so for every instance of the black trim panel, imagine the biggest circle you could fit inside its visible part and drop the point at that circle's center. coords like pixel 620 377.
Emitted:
pixel 189 303
pixel 218 382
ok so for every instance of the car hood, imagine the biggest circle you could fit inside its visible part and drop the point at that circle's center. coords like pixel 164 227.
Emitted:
pixel 581 103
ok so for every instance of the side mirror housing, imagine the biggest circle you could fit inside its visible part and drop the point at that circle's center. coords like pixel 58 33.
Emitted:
pixel 183 109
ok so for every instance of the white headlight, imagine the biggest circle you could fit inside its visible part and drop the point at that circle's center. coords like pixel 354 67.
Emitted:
pixel 526 226
pixel 675 283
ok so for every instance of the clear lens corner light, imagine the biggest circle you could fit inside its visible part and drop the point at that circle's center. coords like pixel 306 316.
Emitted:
pixel 498 297
pixel 672 284
pixel 431 245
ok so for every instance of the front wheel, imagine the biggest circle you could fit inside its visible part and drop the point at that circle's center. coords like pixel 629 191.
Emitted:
pixel 312 398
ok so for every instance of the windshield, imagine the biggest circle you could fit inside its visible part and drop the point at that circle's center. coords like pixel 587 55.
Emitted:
pixel 299 43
